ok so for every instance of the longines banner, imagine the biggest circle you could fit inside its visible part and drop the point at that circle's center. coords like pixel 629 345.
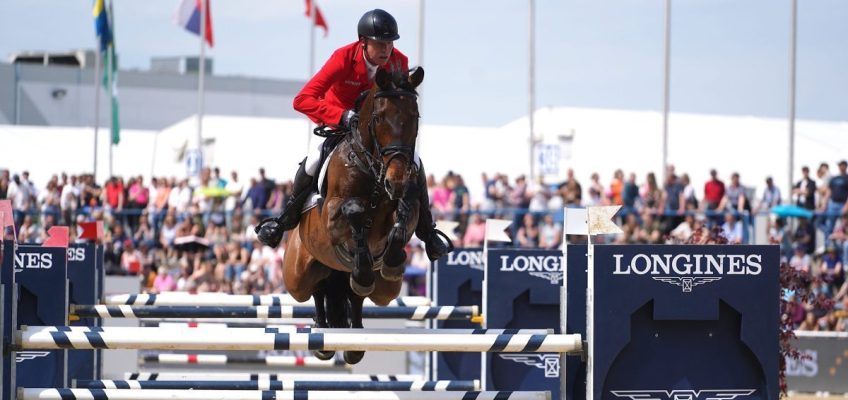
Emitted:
pixel 686 322
pixel 824 367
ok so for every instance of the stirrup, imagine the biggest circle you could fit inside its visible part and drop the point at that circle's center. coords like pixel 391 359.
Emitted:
pixel 445 247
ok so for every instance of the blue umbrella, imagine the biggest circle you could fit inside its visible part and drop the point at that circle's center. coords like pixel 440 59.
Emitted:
pixel 791 211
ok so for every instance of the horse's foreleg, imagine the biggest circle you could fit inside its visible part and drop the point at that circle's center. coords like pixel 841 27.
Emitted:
pixel 395 257
pixel 362 276
pixel 321 319
pixel 355 316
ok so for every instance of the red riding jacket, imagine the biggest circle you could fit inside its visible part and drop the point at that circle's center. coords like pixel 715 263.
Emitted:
pixel 336 86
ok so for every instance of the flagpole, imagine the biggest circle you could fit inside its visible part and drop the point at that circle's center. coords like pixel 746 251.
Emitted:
pixel 109 74
pixel 97 61
pixel 666 87
pixel 793 45
pixel 531 83
pixel 200 85
pixel 312 22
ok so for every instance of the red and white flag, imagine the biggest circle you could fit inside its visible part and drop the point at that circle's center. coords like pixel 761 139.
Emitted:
pixel 319 18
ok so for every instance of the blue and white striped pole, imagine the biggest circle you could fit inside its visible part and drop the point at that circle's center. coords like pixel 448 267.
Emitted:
pixel 62 337
pixel 414 386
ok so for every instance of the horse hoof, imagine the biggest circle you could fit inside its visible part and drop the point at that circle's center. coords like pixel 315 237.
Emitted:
pixel 353 357
pixel 324 355
pixel 392 274
pixel 360 290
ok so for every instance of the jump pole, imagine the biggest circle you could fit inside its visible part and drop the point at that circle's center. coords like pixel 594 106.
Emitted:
pixel 141 394
pixel 50 337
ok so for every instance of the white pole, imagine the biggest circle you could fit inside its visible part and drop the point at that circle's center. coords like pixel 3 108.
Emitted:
pixel 97 61
pixel 531 95
pixel 142 394
pixel 666 86
pixel 793 43
pixel 53 337
pixel 590 319
pixel 563 305
pixel 200 84
pixel 483 369
pixel 236 300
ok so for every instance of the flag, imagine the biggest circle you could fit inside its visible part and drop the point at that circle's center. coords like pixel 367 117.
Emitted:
pixel 495 230
pixel 591 221
pixel 188 16
pixel 104 26
pixel 319 18
pixel 101 25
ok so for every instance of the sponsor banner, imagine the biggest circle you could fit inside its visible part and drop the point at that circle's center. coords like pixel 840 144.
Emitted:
pixel 82 279
pixel 824 365
pixel 458 279
pixel 40 274
pixel 524 292
pixel 693 322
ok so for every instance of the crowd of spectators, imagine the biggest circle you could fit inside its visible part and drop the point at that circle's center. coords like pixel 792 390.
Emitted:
pixel 199 237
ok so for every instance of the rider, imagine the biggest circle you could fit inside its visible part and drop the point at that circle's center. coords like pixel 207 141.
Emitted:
pixel 329 99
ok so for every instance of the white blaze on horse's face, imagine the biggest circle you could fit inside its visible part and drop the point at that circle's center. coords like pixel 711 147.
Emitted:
pixel 396 129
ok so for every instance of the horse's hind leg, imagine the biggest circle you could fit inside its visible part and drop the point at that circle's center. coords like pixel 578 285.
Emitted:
pixel 362 275
pixel 355 321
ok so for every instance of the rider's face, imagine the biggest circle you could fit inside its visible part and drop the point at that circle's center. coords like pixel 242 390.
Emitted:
pixel 377 52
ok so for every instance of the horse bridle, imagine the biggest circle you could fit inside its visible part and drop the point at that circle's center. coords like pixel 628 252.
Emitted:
pixel 373 163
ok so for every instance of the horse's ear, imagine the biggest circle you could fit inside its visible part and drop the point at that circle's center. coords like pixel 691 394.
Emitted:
pixel 416 76
pixel 383 79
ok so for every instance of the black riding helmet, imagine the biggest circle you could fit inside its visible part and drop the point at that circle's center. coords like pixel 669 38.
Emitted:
pixel 377 24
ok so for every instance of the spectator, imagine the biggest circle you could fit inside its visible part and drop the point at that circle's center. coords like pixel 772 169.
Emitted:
pixel 144 232
pixel 831 270
pixel 4 184
pixel 528 232
pixel 475 234
pixel 733 229
pixel 69 201
pixel 684 230
pixel 256 196
pixel 596 191
pixel 771 196
pixel 800 261
pixel 138 196
pixel 235 189
pixel 571 190
pixel 713 192
pixel 50 200
pixel 164 282
pixel 616 188
pixel 440 198
pixel 804 191
pixel 130 258
pixel 630 194
pixel 689 196
pixel 650 232
pixel 836 198
pixel 267 184
pixel 823 176
pixel 734 196
pixel 460 201
pixel 114 194
pixel 550 233
pixel 28 231
pixel 839 237
pixel 651 195
pixel 276 201
pixel 672 204
pixel 21 195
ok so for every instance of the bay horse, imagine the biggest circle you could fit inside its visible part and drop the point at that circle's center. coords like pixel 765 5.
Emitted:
pixel 368 214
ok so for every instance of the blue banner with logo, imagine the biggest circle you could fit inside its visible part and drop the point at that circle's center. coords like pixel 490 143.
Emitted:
pixel 40 275
pixel 458 281
pixel 82 290
pixel 524 293
pixel 693 322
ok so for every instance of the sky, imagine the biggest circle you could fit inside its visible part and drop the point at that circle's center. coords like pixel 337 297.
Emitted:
pixel 728 56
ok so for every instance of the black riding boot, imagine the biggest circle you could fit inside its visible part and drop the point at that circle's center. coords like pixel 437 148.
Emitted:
pixel 271 230
pixel 435 241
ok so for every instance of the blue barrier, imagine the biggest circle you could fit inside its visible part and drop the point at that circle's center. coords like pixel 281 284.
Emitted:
pixel 84 268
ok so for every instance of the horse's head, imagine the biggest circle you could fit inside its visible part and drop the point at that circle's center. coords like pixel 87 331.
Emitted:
pixel 392 122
